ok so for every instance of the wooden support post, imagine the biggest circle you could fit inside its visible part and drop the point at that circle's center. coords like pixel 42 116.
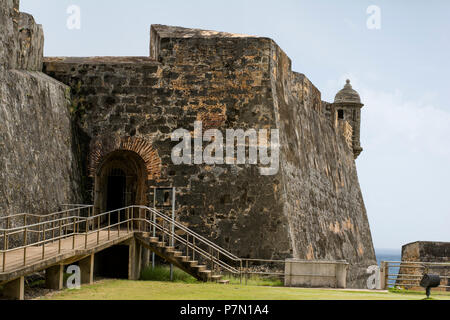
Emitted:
pixel 60 235
pixel 98 229
pixel 43 241
pixel 134 260
pixel 64 229
pixel 86 234
pixel 384 273
pixel 25 240
pixel 5 248
pixel 128 219
pixel 132 219
pixel 118 223
pixel 54 277
pixel 240 271
pixel 15 289
pixel 87 270
pixel 246 272
pixel 109 226
pixel 140 220
pixel 39 229
pixel 74 233
pixel 187 244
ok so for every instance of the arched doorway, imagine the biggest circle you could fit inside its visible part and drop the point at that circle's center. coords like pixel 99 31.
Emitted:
pixel 116 190
pixel 120 181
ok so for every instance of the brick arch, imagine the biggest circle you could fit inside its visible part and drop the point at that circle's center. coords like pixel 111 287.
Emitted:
pixel 103 146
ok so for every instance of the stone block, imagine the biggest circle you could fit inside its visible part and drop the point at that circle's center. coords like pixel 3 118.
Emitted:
pixel 315 274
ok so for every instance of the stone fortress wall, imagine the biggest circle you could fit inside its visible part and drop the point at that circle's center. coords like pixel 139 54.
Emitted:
pixel 38 171
pixel 124 110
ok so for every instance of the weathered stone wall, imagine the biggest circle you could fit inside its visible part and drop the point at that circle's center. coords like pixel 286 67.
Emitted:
pixel 221 80
pixel 426 251
pixel 31 44
pixel 311 209
pixel 9 42
pixel 322 198
pixel 37 167
pixel 21 39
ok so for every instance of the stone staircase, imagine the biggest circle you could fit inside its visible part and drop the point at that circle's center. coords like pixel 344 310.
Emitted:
pixel 187 263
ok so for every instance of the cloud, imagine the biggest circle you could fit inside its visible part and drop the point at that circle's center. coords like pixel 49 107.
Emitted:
pixel 392 119
pixel 404 169
pixel 414 126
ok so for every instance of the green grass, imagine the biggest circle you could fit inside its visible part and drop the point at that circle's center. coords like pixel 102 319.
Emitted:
pixel 155 290
pixel 41 283
pixel 255 281
pixel 162 273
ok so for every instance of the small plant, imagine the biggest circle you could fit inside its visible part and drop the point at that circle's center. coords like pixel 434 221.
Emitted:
pixel 162 273
pixel 78 102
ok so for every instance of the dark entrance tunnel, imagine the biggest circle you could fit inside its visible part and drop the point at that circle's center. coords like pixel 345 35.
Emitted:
pixel 116 193
pixel 120 182
pixel 112 262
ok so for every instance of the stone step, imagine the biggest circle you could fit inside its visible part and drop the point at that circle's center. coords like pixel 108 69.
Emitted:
pixel 224 281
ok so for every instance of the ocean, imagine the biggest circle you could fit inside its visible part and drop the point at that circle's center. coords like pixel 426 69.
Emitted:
pixel 389 255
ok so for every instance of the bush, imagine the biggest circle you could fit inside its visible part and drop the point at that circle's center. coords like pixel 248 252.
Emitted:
pixel 162 273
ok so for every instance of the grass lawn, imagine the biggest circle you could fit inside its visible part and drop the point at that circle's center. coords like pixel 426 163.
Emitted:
pixel 155 290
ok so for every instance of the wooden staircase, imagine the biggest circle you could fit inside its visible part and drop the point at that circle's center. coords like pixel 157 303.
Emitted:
pixel 187 263
pixel 63 235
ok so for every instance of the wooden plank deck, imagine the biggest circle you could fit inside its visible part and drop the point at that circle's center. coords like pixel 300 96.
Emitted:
pixel 35 261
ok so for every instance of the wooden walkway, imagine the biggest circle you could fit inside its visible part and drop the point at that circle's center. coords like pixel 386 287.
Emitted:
pixel 35 258
pixel 136 227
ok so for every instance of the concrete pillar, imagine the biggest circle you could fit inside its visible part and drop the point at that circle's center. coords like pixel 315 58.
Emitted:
pixel 87 269
pixel 134 260
pixel 54 277
pixel 15 289
pixel 287 273
pixel 341 275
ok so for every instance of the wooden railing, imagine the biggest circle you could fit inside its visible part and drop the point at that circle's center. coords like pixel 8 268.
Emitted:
pixel 38 230
pixel 263 268
pixel 191 243
pixel 80 221
pixel 408 274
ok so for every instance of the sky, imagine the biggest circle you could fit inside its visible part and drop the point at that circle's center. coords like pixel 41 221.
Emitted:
pixel 397 61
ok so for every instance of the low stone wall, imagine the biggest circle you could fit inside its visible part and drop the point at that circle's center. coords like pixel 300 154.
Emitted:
pixel 315 274
pixel 422 251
